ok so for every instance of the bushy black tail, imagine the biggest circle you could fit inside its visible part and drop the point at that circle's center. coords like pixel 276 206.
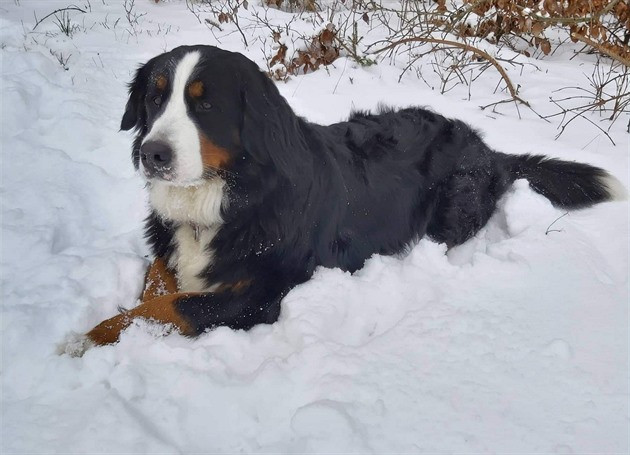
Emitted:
pixel 566 184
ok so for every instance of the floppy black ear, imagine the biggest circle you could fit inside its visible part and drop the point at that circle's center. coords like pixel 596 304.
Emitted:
pixel 272 134
pixel 135 114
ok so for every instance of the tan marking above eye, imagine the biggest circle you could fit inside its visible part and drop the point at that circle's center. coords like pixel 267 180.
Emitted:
pixel 161 82
pixel 212 156
pixel 195 89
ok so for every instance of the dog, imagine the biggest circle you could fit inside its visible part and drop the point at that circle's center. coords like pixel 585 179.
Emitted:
pixel 247 198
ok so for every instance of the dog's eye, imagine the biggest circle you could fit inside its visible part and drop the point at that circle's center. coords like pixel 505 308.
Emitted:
pixel 204 106
pixel 157 100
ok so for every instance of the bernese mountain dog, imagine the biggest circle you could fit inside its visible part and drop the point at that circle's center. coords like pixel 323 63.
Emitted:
pixel 247 198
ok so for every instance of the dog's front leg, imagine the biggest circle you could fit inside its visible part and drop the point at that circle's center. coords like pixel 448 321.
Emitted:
pixel 239 305
pixel 159 281
pixel 163 309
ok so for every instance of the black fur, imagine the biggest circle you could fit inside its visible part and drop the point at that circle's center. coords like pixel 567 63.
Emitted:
pixel 303 195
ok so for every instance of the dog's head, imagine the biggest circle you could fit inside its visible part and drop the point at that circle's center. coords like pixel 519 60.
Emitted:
pixel 202 113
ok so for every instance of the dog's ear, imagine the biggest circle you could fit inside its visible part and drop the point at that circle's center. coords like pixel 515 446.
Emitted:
pixel 135 114
pixel 271 132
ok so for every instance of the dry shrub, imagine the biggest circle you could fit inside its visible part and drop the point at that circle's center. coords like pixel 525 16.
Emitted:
pixel 293 5
pixel 453 35
pixel 603 25
pixel 321 49
pixel 456 36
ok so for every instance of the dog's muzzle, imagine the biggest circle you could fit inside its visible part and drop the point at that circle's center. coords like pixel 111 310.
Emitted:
pixel 157 159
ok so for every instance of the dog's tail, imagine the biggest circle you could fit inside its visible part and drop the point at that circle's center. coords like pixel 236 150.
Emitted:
pixel 566 184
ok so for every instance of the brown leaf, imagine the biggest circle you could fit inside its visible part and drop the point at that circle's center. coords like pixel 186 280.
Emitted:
pixel 550 6
pixel 594 31
pixel 545 46
pixel 280 55
pixel 224 17
pixel 326 37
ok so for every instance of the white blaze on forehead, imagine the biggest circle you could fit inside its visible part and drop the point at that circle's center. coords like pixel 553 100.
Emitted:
pixel 175 127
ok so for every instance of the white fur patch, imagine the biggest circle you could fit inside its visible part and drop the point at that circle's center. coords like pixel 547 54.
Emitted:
pixel 192 256
pixel 177 129
pixel 197 204
pixel 614 187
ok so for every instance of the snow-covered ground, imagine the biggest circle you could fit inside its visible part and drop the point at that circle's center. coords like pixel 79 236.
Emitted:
pixel 516 342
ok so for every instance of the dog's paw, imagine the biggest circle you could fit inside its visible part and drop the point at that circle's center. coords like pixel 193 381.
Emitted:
pixel 75 345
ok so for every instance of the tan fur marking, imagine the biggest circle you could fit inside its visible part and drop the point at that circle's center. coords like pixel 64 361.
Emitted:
pixel 161 309
pixel 212 156
pixel 161 82
pixel 159 281
pixel 195 89
pixel 235 287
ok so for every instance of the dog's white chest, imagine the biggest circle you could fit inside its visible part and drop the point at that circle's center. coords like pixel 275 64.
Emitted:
pixel 192 256
pixel 199 204
pixel 196 211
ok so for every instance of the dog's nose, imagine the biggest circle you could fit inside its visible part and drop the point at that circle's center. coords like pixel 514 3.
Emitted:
pixel 156 157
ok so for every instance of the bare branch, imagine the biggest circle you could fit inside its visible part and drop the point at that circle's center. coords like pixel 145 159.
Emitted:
pixel 467 47
pixel 69 8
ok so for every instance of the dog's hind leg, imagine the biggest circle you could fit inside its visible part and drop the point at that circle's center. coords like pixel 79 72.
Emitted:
pixel 465 202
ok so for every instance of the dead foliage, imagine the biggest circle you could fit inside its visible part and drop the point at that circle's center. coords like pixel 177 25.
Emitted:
pixel 602 25
pixel 293 5
pixel 320 49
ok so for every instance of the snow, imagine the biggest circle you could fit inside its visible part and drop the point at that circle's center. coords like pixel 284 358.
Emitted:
pixel 516 342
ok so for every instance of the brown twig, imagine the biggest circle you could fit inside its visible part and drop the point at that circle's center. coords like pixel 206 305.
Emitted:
pixel 601 48
pixel 579 113
pixel 467 47
pixel 69 8
pixel 571 20
pixel 554 222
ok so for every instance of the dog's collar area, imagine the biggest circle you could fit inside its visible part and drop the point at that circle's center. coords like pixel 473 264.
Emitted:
pixel 196 231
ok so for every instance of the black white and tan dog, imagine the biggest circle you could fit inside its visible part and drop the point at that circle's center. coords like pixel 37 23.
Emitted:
pixel 247 198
